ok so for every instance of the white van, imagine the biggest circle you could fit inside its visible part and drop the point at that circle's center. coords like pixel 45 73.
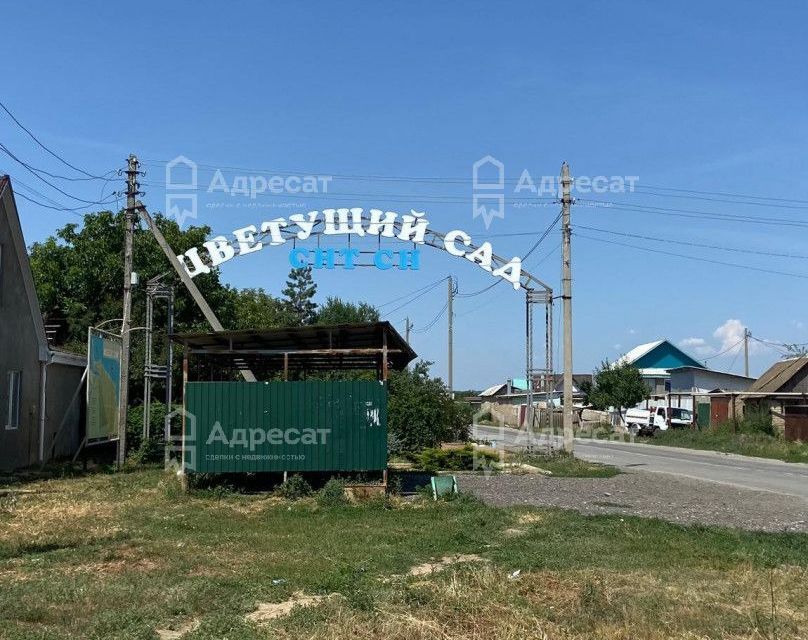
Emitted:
pixel 646 421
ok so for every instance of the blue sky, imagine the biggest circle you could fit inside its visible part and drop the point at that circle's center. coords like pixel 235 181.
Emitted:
pixel 700 96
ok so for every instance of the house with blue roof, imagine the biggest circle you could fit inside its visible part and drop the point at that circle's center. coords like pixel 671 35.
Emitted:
pixel 655 359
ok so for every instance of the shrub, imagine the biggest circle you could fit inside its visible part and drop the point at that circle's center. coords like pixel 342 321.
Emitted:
pixel 433 460
pixel 421 411
pixel 150 450
pixel 332 494
pixel 757 421
pixel 294 488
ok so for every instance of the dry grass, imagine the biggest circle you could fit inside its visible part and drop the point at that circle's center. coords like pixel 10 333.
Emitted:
pixel 428 568
pixel 124 556
pixel 482 602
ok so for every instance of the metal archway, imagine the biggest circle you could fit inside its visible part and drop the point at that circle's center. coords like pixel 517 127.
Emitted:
pixel 540 380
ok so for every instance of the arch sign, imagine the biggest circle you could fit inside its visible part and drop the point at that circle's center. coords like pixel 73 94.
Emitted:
pixel 409 227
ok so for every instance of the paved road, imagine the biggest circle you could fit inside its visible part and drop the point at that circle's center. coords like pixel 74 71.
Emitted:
pixel 738 471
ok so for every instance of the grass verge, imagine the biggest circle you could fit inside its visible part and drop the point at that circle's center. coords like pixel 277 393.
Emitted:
pixel 563 465
pixel 723 439
pixel 123 555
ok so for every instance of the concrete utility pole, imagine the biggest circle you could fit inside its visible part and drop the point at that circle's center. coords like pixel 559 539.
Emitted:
pixel 203 305
pixel 451 332
pixel 129 233
pixel 566 276
pixel 746 335
pixel 407 328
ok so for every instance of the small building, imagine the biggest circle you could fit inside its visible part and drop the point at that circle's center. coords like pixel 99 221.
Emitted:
pixel 783 391
pixel 655 359
pixel 38 384
pixel 698 380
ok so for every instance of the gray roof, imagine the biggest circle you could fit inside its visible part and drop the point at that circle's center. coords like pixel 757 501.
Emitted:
pixel 779 374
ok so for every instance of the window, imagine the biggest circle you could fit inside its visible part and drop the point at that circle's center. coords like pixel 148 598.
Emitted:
pixel 14 396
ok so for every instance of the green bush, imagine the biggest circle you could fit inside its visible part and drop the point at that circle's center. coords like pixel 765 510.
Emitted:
pixel 433 460
pixel 421 412
pixel 332 494
pixel 150 450
pixel 757 421
pixel 294 488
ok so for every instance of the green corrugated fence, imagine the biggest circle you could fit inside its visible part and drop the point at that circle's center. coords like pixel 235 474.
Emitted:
pixel 285 426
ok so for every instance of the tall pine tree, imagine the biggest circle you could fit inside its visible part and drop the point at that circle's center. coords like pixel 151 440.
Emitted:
pixel 299 295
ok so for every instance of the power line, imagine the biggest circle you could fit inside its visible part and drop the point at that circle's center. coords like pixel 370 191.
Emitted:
pixel 727 350
pixel 54 205
pixel 679 255
pixel 389 197
pixel 41 144
pixel 434 320
pixel 33 171
pixel 407 295
pixel 696 214
pixel 647 192
pixel 722 193
pixel 420 295
pixel 695 244
pixel 541 239
pixel 647 189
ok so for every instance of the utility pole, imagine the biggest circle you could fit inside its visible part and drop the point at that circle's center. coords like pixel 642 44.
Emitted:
pixel 407 328
pixel 746 335
pixel 451 332
pixel 203 305
pixel 566 264
pixel 129 232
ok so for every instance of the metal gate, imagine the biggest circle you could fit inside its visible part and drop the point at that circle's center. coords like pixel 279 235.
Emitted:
pixel 719 410
pixel 796 419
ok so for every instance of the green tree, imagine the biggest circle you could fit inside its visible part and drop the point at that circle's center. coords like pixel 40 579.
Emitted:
pixel 337 311
pixel 299 296
pixel 618 386
pixel 256 309
pixel 421 412
pixel 79 274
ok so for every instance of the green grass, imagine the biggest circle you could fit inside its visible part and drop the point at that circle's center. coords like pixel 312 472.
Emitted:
pixel 563 465
pixel 121 555
pixel 722 438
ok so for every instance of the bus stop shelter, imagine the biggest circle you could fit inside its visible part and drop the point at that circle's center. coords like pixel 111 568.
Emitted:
pixel 301 413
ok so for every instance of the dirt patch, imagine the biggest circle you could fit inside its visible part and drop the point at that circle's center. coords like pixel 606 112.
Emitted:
pixel 176 634
pixel 512 533
pixel 530 518
pixel 439 565
pixel 267 611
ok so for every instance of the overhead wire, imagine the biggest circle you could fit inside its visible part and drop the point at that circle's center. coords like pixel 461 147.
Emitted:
pixel 42 145
pixel 721 353
pixel 413 299
pixel 536 244
pixel 695 214
pixel 407 295
pixel 698 258
pixel 434 320
pixel 459 180
pixel 694 244
pixel 33 171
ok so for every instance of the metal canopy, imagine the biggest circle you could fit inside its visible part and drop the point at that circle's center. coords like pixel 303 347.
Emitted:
pixel 373 345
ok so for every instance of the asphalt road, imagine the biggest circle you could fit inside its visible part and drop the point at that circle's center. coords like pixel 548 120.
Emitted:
pixel 742 472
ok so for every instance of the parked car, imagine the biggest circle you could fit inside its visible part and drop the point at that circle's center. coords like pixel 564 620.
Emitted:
pixel 646 421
